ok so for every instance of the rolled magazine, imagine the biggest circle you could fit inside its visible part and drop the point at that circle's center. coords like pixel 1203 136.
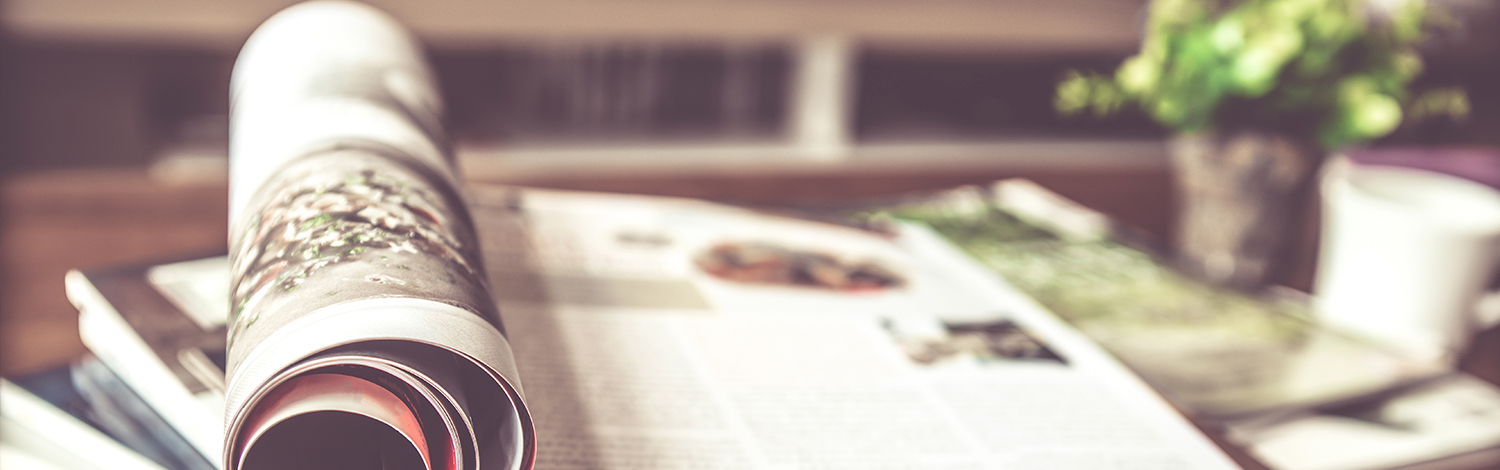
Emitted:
pixel 362 333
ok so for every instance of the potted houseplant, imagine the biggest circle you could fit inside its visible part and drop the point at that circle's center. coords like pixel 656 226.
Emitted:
pixel 1257 92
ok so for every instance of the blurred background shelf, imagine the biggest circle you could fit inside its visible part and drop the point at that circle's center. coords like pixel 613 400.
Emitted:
pixel 222 25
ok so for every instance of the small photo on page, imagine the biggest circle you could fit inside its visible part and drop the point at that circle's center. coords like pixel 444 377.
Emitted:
pixel 1000 341
pixel 775 264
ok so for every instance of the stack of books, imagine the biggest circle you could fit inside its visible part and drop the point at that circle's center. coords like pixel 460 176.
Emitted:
pixel 157 332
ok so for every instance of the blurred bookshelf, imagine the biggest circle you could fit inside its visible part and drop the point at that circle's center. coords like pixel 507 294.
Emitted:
pixel 222 25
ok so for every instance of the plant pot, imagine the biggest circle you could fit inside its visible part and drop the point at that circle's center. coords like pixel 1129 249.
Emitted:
pixel 1239 194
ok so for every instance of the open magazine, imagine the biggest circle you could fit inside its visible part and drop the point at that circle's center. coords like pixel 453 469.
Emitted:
pixel 639 349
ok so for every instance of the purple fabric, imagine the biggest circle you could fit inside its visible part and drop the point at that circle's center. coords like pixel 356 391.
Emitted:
pixel 1477 164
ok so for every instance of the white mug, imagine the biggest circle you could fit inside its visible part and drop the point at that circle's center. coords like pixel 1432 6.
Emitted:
pixel 1406 255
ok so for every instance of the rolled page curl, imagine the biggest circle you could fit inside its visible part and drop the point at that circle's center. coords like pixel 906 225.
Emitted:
pixel 363 332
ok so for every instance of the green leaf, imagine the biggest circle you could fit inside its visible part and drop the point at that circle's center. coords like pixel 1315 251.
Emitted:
pixel 1169 111
pixel 1228 35
pixel 1373 115
pixel 1139 74
pixel 1255 71
pixel 1451 102
pixel 1072 93
pixel 1406 64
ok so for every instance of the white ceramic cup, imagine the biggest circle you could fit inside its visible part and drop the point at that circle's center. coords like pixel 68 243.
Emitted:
pixel 1406 255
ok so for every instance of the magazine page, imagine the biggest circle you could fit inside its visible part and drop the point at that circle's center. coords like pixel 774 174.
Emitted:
pixel 890 357
pixel 361 330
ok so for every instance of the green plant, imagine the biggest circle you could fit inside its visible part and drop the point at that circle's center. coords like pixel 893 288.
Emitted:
pixel 1334 72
